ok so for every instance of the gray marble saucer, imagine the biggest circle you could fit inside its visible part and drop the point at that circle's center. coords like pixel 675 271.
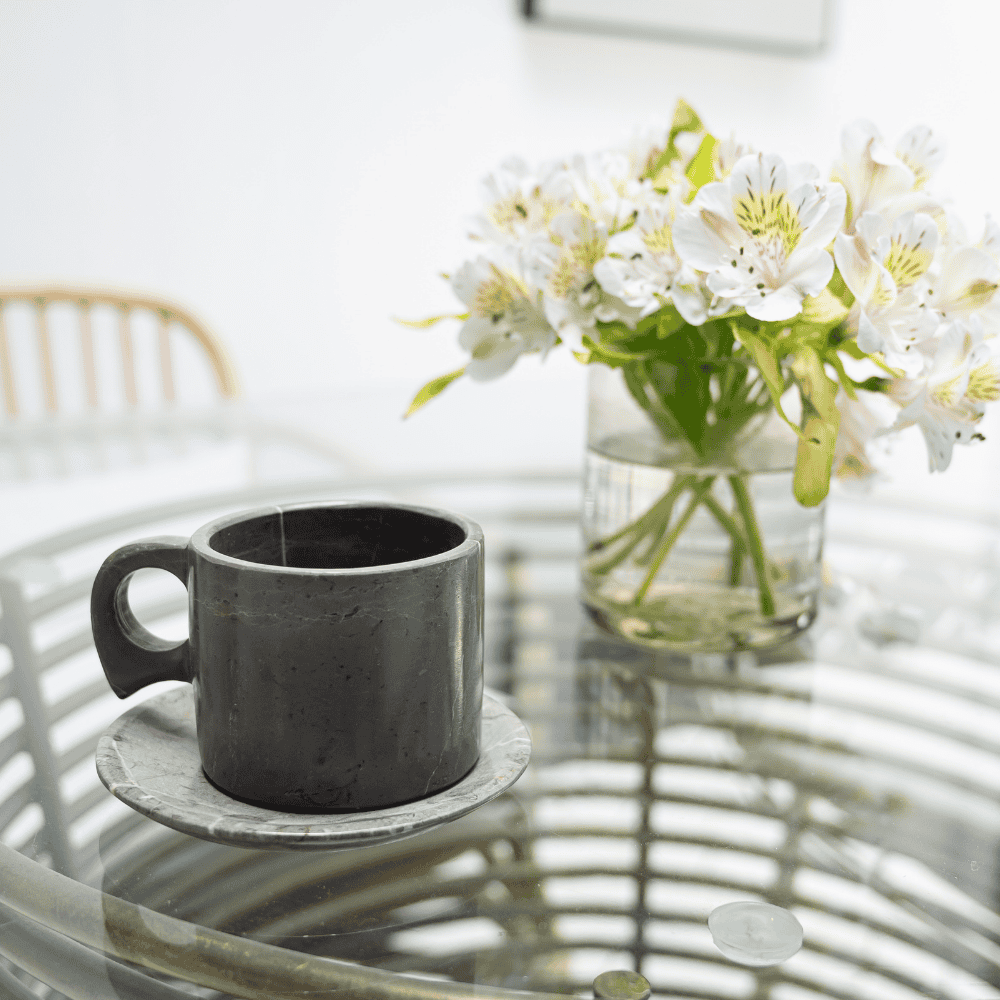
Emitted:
pixel 149 759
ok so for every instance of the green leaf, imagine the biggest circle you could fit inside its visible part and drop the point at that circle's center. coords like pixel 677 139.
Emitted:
pixel 851 347
pixel 645 340
pixel 681 381
pixel 814 462
pixel 765 358
pixel 669 321
pixel 820 422
pixel 433 388
pixel 874 384
pixel 701 169
pixel 638 385
pixel 685 120
pixel 608 355
pixel 824 309
pixel 816 386
pixel 618 332
pixel 422 324
pixel 838 287
pixel 846 381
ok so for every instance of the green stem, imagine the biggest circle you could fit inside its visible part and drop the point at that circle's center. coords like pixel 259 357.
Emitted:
pixel 650 522
pixel 747 513
pixel 679 485
pixel 697 496
pixel 738 549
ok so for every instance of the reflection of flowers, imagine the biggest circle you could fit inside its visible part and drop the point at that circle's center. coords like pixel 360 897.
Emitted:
pixel 761 235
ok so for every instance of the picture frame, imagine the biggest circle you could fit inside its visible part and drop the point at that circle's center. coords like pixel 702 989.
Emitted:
pixel 791 27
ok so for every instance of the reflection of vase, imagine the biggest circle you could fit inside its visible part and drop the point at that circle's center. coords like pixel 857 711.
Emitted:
pixel 688 552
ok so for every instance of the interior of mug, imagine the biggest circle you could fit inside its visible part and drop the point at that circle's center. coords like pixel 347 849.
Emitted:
pixel 337 537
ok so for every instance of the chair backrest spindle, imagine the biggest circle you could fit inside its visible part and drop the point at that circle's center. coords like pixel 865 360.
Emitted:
pixel 6 370
pixel 73 410
pixel 128 356
pixel 87 353
pixel 45 355
pixel 166 359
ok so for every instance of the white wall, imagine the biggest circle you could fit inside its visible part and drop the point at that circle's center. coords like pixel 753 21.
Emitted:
pixel 298 172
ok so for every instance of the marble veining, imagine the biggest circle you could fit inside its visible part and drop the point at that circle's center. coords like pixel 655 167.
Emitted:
pixel 149 759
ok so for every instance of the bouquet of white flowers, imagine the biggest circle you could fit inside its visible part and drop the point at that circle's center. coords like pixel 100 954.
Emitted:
pixel 717 279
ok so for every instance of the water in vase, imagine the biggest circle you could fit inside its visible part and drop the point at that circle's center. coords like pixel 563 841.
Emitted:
pixel 670 565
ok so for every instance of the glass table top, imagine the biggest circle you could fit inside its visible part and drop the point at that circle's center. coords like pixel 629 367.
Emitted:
pixel 851 779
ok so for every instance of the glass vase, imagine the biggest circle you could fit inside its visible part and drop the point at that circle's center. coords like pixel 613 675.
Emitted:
pixel 694 553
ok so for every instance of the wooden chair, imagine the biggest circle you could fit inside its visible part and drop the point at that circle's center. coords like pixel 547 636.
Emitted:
pixel 94 378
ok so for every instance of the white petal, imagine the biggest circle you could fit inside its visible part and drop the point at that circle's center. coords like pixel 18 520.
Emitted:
pixel 915 229
pixel 861 138
pixel 808 274
pixel 873 227
pixel 991 236
pixel 495 364
pixel 825 227
pixel 627 243
pixel 717 199
pixel 870 282
pixel 965 282
pixel 802 173
pixel 727 283
pixel 921 152
pixel 941 433
pixel 869 338
pixel 918 201
pixel 466 280
pixel 782 304
pixel 611 275
pixel 698 244
pixel 476 330
pixel 868 170
pixel 690 304
pixel 764 172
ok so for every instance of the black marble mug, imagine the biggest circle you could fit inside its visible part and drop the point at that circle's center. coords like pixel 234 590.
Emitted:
pixel 335 649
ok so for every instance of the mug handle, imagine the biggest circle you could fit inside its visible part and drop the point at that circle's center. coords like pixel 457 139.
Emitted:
pixel 131 655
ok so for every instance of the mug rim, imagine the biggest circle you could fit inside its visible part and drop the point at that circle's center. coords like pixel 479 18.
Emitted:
pixel 199 541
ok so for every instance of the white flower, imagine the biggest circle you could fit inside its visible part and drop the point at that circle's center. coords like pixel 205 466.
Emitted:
pixel 728 152
pixel 605 190
pixel 990 241
pixel 573 298
pixel 645 147
pixel 881 264
pixel 519 205
pixel 861 421
pixel 922 153
pixel 761 234
pixel 519 201
pixel 939 401
pixel 643 270
pixel 505 319
pixel 964 283
pixel 877 180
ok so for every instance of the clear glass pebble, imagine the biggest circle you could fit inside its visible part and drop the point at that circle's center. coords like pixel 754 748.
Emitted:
pixel 757 934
